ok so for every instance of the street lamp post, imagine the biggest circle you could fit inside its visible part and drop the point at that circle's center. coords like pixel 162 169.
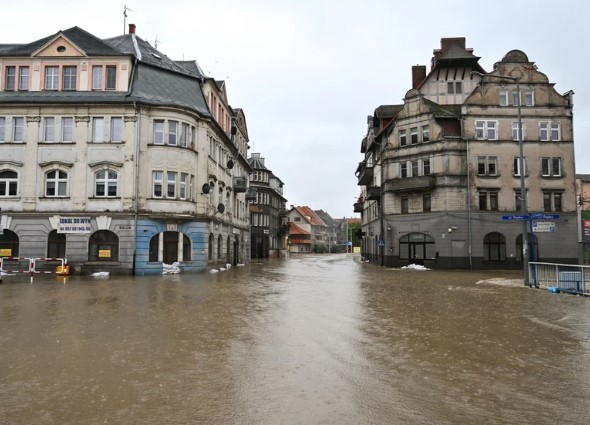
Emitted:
pixel 523 197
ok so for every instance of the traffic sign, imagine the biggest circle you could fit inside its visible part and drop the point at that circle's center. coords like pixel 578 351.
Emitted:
pixel 381 242
pixel 521 217
pixel 532 216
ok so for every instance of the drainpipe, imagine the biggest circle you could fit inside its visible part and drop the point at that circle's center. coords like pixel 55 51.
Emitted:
pixel 468 193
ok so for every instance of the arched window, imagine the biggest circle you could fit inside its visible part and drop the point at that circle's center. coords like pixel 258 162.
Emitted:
pixel 105 184
pixel 56 183
pixel 154 248
pixel 8 183
pixel 219 246
pixel 211 239
pixel 186 248
pixel 8 244
pixel 103 246
pixel 494 247
pixel 416 246
pixel 228 249
pixel 533 255
pixel 170 247
pixel 56 245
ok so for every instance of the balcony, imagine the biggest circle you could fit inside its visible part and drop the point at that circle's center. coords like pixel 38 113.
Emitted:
pixel 251 194
pixel 374 193
pixel 240 184
pixel 411 184
pixel 358 207
pixel 365 176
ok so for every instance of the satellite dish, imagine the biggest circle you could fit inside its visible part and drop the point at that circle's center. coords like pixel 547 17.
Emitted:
pixel 221 208
pixel 206 188
pixel 230 164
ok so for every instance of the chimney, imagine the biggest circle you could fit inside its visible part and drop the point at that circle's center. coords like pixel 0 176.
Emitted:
pixel 418 75
pixel 131 28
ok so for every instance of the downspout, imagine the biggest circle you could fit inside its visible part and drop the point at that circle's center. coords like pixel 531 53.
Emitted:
pixel 469 254
pixel 136 159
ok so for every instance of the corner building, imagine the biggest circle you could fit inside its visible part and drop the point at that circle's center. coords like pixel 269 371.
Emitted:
pixel 117 158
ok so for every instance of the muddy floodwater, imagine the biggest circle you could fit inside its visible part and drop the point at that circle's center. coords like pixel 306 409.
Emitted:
pixel 315 339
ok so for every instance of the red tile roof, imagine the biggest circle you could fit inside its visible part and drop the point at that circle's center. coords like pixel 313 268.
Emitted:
pixel 310 216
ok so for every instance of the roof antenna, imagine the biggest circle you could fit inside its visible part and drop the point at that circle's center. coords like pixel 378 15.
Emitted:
pixel 125 9
pixel 156 42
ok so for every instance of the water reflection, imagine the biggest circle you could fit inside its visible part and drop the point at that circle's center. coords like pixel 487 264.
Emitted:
pixel 306 340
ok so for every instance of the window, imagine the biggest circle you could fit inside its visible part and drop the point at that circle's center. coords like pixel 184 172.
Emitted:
pixel 552 201
pixel 416 246
pixel 18 133
pixel 9 244
pixel 98 130
pixel 106 184
pixel 56 245
pixel 67 129
pixel 23 78
pixel 171 185
pixel 485 130
pixel 111 77
pixel 402 138
pixel 172 140
pixel 414 135
pixel 488 200
pixel 516 166
pixel 454 87
pixel 487 165
pixel 403 170
pixel 426 202
pixel 518 200
pixel 69 78
pixel 49 129
pixel 426 167
pixel 8 183
pixel 494 247
pixel 116 129
pixel 405 204
pixel 158 132
pixel 515 132
pixel 414 165
pixel 549 131
pixel 183 179
pixel 184 135
pixel 515 98
pixel 2 129
pixel 503 95
pixel 97 78
pixel 158 179
pixel 56 183
pixel 529 98
pixel 10 83
pixel 425 134
pixel 51 78
pixel 103 246
pixel 551 167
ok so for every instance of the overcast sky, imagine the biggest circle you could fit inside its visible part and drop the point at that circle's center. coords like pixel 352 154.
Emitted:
pixel 308 72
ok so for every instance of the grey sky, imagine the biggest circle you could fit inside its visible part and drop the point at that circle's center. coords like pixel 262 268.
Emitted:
pixel 307 73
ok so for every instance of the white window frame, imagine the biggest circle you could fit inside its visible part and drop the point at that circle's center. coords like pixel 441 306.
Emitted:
pixel 159 132
pixel 551 167
pixel 105 178
pixel 403 138
pixel 111 77
pixel 172 133
pixel 490 164
pixel 10 78
pixel 98 127
pixel 516 166
pixel 426 170
pixel 529 97
pixel 158 184
pixel 182 194
pixel 18 132
pixel 67 129
pixel 59 183
pixel 23 78
pixel 503 97
pixel 69 81
pixel 425 134
pixel 515 130
pixel 49 129
pixel 2 129
pixel 549 131
pixel 52 78
pixel 403 170
pixel 414 135
pixel 117 129
pixel 171 184
pixel 97 78
pixel 483 130
pixel 7 182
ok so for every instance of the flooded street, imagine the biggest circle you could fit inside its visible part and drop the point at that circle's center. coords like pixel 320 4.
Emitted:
pixel 307 340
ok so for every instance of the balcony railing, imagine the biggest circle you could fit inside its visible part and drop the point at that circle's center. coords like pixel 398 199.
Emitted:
pixel 240 184
pixel 358 207
pixel 365 176
pixel 410 184
pixel 374 193
pixel 251 194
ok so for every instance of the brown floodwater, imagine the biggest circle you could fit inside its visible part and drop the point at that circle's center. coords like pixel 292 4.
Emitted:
pixel 312 339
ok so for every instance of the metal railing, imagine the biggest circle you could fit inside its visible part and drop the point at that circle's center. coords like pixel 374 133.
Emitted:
pixel 570 278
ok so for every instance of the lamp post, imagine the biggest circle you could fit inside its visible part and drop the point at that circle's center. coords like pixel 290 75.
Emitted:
pixel 523 197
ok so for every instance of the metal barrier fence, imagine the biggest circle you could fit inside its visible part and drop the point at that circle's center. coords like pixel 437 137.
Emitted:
pixel 564 277
pixel 32 266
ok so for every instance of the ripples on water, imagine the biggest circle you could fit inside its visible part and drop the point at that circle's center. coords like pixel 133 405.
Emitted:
pixel 307 340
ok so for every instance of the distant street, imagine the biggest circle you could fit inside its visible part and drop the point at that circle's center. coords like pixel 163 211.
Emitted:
pixel 311 339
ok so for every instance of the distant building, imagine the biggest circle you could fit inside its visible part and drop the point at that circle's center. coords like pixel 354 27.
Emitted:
pixel 307 232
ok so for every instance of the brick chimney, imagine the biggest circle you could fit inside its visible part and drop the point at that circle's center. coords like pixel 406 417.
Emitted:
pixel 131 28
pixel 418 75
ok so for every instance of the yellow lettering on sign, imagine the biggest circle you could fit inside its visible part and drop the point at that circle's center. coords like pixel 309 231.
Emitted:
pixel 6 252
pixel 104 253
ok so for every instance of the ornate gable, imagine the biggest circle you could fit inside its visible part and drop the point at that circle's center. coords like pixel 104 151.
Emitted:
pixel 60 46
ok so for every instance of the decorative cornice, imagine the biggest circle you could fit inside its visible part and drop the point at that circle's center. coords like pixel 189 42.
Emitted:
pixel 105 164
pixel 82 119
pixel 34 119
pixel 130 118
pixel 56 163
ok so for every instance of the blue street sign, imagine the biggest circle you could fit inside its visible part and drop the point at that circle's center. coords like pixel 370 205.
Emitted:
pixel 533 216
pixel 542 216
pixel 381 242
pixel 521 217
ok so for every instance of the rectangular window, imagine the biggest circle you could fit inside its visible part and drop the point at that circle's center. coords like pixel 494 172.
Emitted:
pixel 555 131
pixel 18 132
pixel 485 130
pixel 515 98
pixel 425 134
pixel 23 78
pixel 158 178
pixel 529 98
pixel 414 135
pixel 67 129
pixel 402 138
pixel 426 167
pixel 116 129
pixel 111 77
pixel 69 78
pixel 172 140
pixel 405 204
pixel 171 185
pixel 517 201
pixel 183 180
pixel 487 165
pixel 52 78
pixel 503 95
pixel 184 135
pixel 488 200
pixel 426 202
pixel 491 130
pixel 516 166
pixel 549 130
pixel 158 132
pixel 552 201
pixel 49 129
pixel 403 170
pixel 98 130
pixel 454 87
pixel 414 168
pixel 2 129
pixel 551 167
pixel 10 82
pixel 8 183
pixel 97 78
pixel 515 132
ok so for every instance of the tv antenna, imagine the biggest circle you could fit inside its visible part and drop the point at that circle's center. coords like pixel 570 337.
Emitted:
pixel 156 42
pixel 125 9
